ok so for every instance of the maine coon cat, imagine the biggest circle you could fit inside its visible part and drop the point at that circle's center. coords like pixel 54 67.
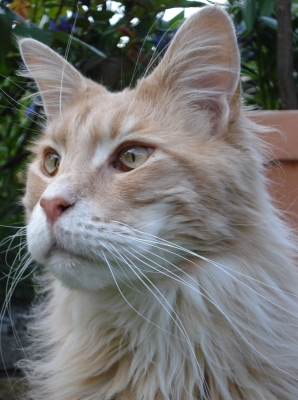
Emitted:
pixel 168 273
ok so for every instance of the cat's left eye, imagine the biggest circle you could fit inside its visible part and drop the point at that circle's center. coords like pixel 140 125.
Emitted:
pixel 51 163
pixel 132 157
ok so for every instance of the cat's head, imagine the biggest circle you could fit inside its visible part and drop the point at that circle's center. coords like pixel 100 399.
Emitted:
pixel 117 177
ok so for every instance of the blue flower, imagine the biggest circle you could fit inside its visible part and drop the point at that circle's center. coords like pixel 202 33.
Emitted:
pixel 32 108
pixel 163 38
pixel 52 25
pixel 64 25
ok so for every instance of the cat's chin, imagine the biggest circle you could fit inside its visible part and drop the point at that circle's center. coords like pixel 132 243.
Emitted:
pixel 78 273
pixel 70 268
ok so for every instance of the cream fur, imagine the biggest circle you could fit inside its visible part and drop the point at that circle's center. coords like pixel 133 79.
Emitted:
pixel 176 280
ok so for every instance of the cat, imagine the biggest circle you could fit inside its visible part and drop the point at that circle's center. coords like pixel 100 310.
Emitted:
pixel 167 272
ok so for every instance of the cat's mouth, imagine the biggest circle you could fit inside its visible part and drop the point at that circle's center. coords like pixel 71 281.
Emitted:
pixel 58 249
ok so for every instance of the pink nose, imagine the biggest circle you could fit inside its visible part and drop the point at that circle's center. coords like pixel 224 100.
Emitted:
pixel 54 208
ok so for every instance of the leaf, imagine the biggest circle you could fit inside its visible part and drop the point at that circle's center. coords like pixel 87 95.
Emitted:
pixel 235 10
pixel 270 22
pixel 111 29
pixel 13 16
pixel 249 13
pixel 176 21
pixel 5 70
pixel 179 3
pixel 5 34
pixel 80 22
pixel 148 5
pixel 51 12
pixel 76 43
pixel 187 4
pixel 50 4
pixel 25 29
pixel 266 7
pixel 101 15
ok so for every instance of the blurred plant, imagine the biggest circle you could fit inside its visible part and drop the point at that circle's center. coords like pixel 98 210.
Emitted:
pixel 20 7
pixel 257 27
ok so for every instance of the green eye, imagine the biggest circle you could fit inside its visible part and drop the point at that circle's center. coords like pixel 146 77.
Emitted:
pixel 132 157
pixel 51 163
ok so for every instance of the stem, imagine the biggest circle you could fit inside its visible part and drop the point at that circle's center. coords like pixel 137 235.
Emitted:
pixel 260 66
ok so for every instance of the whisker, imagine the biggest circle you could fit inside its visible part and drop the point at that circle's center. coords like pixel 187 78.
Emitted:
pixel 219 308
pixel 64 65
pixel 178 278
pixel 123 271
pixel 6 306
pixel 130 305
pixel 136 63
pixel 157 220
pixel 179 324
pixel 221 267
pixel 142 316
pixel 172 245
pixel 12 226
pixel 243 337
pixel 18 103
pixel 144 75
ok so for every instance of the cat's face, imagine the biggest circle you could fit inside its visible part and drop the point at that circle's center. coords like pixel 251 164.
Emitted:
pixel 116 176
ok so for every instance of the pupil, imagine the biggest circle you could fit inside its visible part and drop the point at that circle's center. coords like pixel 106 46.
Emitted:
pixel 133 156
pixel 55 160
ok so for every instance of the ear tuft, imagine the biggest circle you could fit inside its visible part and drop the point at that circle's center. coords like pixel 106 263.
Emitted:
pixel 202 66
pixel 58 82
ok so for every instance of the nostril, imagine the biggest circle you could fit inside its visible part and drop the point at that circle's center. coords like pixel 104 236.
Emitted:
pixel 54 207
pixel 61 208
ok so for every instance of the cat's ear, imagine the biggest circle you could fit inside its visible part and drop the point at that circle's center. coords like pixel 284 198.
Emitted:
pixel 58 82
pixel 202 66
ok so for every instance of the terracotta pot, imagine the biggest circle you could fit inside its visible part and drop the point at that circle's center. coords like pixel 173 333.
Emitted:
pixel 283 166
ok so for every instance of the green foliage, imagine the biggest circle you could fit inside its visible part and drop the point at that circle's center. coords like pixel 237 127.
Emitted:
pixel 256 23
pixel 116 54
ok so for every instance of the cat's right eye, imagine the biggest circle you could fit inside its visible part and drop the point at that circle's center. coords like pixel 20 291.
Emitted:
pixel 132 157
pixel 51 163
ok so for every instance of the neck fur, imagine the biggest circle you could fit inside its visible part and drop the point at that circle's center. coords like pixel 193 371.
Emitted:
pixel 168 341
